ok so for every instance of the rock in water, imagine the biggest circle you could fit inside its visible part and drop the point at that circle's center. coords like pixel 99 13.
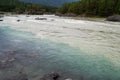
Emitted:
pixel 1 20
pixel 18 20
pixel 40 18
pixel 51 76
pixel 114 18
pixel 1 16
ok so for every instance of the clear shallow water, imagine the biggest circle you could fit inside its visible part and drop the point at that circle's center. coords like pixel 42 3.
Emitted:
pixel 36 57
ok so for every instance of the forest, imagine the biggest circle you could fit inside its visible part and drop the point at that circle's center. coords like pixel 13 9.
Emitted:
pixel 92 7
pixel 83 7
pixel 21 7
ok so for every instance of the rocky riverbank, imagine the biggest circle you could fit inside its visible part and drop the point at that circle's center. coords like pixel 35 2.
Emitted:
pixel 114 18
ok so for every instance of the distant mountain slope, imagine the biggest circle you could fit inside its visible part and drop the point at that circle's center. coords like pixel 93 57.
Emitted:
pixel 50 2
pixel 20 7
pixel 9 2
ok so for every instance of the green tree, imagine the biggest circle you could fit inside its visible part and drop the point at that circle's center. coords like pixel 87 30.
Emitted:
pixel 75 8
pixel 93 7
pixel 64 9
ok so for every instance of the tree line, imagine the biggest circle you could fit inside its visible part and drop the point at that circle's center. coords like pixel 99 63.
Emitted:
pixel 21 7
pixel 92 7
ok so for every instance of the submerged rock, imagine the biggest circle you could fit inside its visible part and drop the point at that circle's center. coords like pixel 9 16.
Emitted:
pixel 114 18
pixel 19 76
pixel 6 60
pixel 18 20
pixel 27 16
pixel 51 76
pixel 52 20
pixel 4 64
pixel 1 16
pixel 40 18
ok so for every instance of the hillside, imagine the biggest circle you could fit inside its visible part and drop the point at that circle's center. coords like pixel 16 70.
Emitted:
pixel 56 3
pixel 17 6
pixel 92 8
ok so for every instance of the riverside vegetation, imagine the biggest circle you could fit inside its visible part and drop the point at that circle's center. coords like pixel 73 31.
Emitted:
pixel 101 8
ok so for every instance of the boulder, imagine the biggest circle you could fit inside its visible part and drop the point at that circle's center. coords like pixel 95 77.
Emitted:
pixel 70 15
pixel 114 18
pixel 1 20
pixel 18 20
pixel 58 14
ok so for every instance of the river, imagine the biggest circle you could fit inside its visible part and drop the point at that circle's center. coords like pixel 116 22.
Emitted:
pixel 78 49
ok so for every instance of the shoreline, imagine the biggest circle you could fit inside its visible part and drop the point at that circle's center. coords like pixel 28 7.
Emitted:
pixel 96 19
pixel 88 18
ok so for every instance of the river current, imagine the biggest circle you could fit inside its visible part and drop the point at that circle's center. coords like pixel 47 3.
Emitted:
pixel 77 49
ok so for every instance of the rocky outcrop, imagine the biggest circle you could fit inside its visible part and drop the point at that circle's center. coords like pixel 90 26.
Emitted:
pixel 114 18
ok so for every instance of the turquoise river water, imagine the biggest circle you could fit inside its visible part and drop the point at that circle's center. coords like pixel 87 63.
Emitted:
pixel 77 49
pixel 37 57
